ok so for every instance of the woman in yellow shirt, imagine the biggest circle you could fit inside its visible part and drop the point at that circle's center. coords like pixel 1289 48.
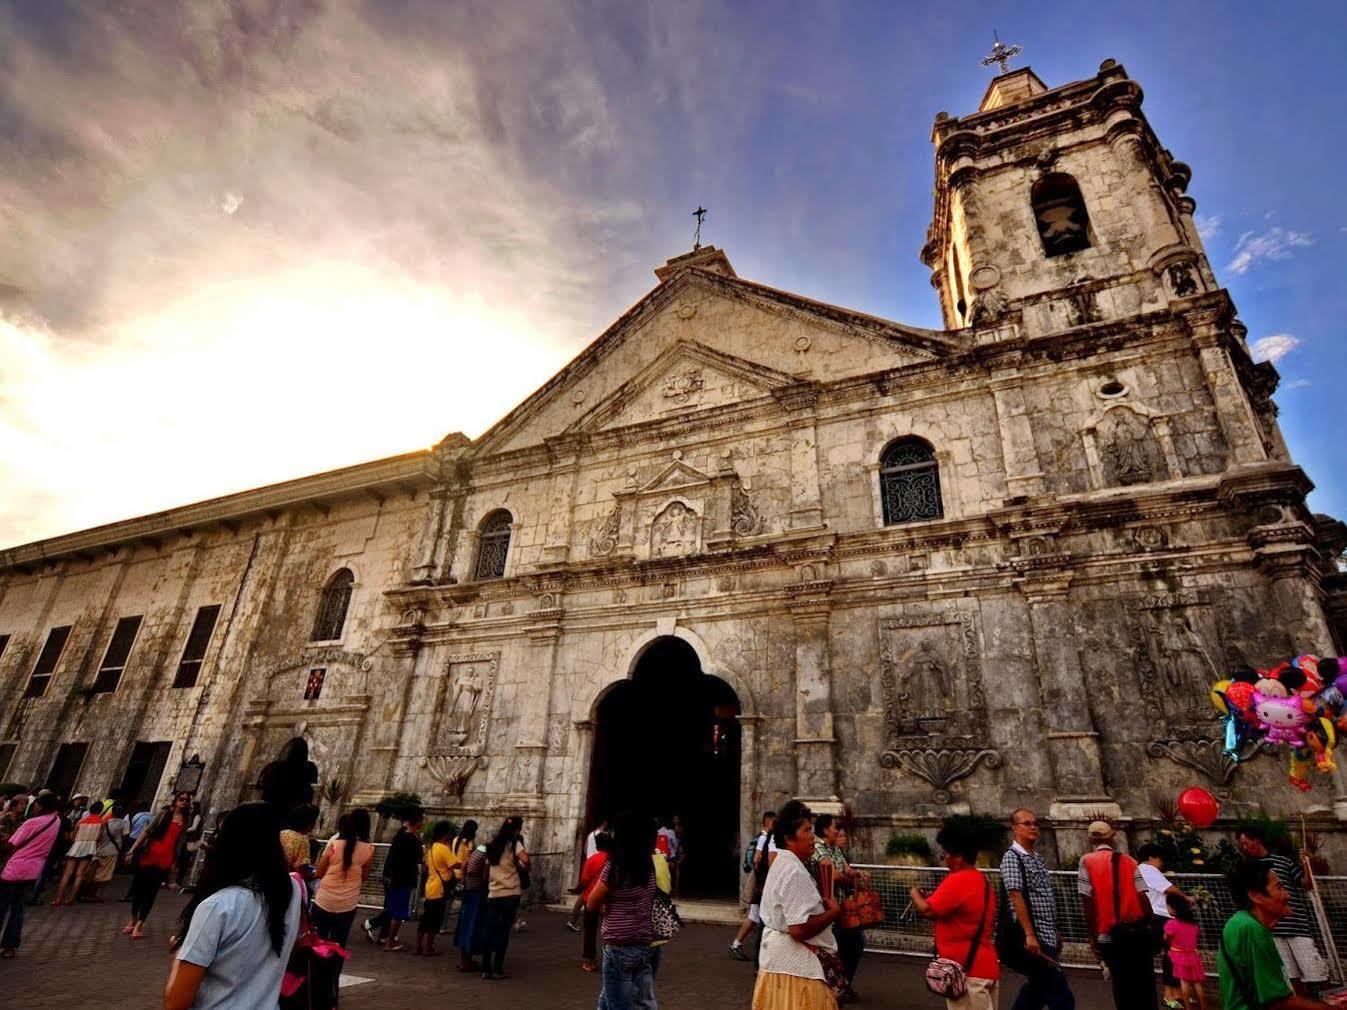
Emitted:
pixel 440 865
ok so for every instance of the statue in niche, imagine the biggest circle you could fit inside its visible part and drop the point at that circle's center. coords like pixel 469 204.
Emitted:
pixel 468 687
pixel 1185 666
pixel 1127 450
pixel 674 532
pixel 925 687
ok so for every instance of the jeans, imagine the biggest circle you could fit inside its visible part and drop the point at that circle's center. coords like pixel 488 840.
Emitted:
pixel 500 913
pixel 1045 985
pixel 1132 975
pixel 13 894
pixel 334 926
pixel 628 979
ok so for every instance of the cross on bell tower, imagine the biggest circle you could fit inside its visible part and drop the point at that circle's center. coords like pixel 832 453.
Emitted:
pixel 1001 54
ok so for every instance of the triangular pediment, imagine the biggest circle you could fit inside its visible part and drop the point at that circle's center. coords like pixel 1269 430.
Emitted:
pixel 673 477
pixel 688 376
pixel 703 340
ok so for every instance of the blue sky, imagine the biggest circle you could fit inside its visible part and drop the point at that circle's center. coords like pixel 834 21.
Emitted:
pixel 252 240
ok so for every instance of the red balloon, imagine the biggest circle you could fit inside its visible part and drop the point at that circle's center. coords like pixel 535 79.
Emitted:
pixel 1199 807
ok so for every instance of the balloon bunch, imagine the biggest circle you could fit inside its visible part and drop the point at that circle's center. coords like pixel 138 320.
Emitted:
pixel 1301 703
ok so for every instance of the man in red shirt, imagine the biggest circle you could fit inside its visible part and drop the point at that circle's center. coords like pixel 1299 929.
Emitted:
pixel 589 876
pixel 1118 919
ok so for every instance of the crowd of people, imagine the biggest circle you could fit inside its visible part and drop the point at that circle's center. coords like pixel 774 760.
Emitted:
pixel 269 896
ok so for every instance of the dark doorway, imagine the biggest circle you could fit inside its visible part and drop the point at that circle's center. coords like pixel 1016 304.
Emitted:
pixel 667 742
pixel 65 770
pixel 144 771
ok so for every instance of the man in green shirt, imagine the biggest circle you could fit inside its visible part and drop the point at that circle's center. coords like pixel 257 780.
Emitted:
pixel 1252 976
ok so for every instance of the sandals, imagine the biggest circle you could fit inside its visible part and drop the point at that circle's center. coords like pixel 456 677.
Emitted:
pixel 393 948
pixel 126 930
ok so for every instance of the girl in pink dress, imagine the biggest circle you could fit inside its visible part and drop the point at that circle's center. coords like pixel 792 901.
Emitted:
pixel 1182 933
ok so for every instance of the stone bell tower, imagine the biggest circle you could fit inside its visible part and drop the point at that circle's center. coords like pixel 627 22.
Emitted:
pixel 1056 208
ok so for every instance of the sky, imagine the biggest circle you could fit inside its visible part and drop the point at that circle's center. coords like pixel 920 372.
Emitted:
pixel 246 241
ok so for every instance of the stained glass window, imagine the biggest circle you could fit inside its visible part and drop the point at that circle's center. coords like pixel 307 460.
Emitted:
pixel 909 482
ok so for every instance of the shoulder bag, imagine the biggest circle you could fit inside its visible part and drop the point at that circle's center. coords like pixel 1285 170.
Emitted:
pixel 1010 935
pixel 525 878
pixel 948 978
pixel 665 921
pixel 1136 935
pixel 312 972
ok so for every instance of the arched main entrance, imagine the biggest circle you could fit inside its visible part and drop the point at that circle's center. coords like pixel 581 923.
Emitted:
pixel 667 742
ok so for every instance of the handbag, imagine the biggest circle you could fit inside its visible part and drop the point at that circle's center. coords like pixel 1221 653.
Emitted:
pixel 665 921
pixel 312 972
pixel 948 978
pixel 525 878
pixel 862 908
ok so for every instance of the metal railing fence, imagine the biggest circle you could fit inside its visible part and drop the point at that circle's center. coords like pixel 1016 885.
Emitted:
pixel 905 932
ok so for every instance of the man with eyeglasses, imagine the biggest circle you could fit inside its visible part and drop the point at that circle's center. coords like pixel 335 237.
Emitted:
pixel 1028 940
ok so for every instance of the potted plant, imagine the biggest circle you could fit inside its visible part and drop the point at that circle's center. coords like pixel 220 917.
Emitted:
pixel 908 849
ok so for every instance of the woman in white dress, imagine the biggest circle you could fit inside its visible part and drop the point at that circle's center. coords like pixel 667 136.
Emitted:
pixel 798 967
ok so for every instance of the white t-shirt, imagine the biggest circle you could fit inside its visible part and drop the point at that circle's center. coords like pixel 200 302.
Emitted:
pixel 1156 886
pixel 789 898
pixel 591 843
pixel 766 843
pixel 230 938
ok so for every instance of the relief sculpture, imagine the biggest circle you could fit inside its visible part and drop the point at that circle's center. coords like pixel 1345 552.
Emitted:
pixel 1127 450
pixel 465 704
pixel 674 532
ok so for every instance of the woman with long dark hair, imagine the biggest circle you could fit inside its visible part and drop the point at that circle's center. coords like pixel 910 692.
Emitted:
pixel 625 892
pixel 157 848
pixel 343 867
pixel 472 913
pixel 505 857
pixel 241 922
pixel 461 848
pixel 439 888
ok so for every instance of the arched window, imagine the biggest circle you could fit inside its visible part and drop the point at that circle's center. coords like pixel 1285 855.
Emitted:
pixel 909 482
pixel 332 607
pixel 494 545
pixel 1059 211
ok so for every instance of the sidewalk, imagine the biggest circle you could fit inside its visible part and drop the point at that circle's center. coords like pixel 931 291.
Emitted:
pixel 78 957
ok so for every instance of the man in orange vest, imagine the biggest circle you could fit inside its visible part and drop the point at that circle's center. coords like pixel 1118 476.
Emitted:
pixel 1118 919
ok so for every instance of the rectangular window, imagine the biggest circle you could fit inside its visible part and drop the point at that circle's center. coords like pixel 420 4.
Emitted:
pixel 144 771
pixel 6 758
pixel 46 662
pixel 189 667
pixel 114 660
pixel 314 687
pixel 65 770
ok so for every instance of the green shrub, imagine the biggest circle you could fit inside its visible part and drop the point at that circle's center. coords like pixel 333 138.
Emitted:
pixel 400 806
pixel 910 844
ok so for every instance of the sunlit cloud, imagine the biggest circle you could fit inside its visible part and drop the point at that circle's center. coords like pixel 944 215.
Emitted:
pixel 1208 226
pixel 1274 347
pixel 1276 243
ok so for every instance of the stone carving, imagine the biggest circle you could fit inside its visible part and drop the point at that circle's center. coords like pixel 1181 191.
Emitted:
pixel 1084 308
pixel 1171 637
pixel 931 682
pixel 1205 756
pixel 988 306
pixel 725 583
pixel 452 771
pixel 1185 663
pixel 682 385
pixel 744 518
pixel 1150 538
pixel 1181 280
pixel 941 768
pixel 465 704
pixel 674 532
pixel 878 568
pixel 604 540
pixel 1127 450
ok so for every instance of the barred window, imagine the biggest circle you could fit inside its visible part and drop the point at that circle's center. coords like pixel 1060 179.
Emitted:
pixel 114 660
pixel 909 482
pixel 494 545
pixel 332 607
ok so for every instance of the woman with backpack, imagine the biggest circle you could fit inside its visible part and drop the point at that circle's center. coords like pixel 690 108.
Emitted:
pixel 507 862
pixel 241 923
pixel 964 910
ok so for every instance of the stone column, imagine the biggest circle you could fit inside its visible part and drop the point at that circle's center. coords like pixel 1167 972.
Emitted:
pixel 815 743
pixel 558 546
pixel 1234 413
pixel 1147 197
pixel 1023 476
pixel 422 571
pixel 1071 739
pixel 526 775
pixel 963 184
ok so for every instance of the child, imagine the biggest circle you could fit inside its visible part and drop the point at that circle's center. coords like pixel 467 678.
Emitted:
pixel 1181 935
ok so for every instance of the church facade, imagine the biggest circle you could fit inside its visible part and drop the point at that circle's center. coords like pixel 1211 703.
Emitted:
pixel 749 546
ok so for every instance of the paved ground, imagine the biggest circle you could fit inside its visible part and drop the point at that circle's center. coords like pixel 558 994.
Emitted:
pixel 77 957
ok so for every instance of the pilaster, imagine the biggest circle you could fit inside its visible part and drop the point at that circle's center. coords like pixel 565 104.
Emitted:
pixel 1023 476
pixel 815 741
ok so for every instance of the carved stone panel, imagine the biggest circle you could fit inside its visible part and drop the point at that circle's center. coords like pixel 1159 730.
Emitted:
pixel 1128 450
pixel 675 532
pixel 464 706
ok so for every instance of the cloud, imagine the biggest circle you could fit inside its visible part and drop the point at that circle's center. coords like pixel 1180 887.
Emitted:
pixel 1298 384
pixel 1208 226
pixel 1274 347
pixel 1274 244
